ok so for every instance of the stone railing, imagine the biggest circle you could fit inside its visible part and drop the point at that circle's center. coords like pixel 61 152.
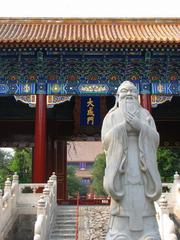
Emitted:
pixel 176 195
pixel 46 210
pixel 169 203
pixel 166 225
pixel 8 206
pixel 172 195
pixel 22 199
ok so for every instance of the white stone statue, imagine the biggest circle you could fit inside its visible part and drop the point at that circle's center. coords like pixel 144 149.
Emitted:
pixel 130 141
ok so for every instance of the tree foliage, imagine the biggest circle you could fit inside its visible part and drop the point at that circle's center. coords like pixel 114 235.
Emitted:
pixel 5 158
pixel 98 173
pixel 168 162
pixel 74 183
pixel 22 164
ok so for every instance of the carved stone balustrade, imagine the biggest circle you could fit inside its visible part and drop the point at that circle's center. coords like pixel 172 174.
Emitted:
pixel 46 210
pixel 166 225
pixel 22 199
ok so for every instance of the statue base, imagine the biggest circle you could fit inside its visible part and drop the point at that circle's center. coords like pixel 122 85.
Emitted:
pixel 119 229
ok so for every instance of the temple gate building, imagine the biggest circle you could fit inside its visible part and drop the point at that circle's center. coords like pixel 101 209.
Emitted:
pixel 69 71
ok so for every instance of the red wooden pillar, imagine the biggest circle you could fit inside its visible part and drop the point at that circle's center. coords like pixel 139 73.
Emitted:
pixel 39 161
pixel 60 155
pixel 146 101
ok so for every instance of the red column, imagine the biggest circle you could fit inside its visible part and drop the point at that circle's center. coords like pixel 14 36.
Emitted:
pixel 146 101
pixel 60 158
pixel 39 161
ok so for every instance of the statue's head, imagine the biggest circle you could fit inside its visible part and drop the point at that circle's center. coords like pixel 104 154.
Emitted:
pixel 127 90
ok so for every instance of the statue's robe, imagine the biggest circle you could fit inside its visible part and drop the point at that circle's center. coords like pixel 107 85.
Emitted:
pixel 131 175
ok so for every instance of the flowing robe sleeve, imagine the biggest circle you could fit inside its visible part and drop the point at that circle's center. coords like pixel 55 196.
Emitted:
pixel 148 144
pixel 114 140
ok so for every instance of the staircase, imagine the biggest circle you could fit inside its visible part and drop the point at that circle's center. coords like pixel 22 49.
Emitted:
pixel 65 224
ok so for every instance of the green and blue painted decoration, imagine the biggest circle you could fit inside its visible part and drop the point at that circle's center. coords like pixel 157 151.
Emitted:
pixel 88 70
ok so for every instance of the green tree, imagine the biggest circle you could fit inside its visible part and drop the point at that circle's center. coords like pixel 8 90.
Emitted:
pixel 22 164
pixel 74 183
pixel 97 175
pixel 5 158
pixel 168 162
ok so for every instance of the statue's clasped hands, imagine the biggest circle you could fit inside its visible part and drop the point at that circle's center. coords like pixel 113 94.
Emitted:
pixel 133 121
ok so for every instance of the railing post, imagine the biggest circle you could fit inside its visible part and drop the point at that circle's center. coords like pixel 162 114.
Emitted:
pixel 50 184
pixel 41 206
pixel 176 178
pixel 54 179
pixel 46 193
pixel 45 210
pixel 15 186
pixel 15 179
pixel 166 225
pixel 7 187
pixel 38 230
pixel 176 194
pixel 163 210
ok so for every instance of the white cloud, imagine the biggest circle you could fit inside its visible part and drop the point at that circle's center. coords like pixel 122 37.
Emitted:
pixel 90 8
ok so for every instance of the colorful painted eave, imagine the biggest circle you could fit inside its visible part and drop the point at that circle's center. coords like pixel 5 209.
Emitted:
pixel 21 31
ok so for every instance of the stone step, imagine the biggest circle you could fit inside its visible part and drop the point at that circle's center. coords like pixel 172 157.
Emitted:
pixel 63 231
pixel 66 216
pixel 63 236
pixel 65 224
pixel 66 209
pixel 66 220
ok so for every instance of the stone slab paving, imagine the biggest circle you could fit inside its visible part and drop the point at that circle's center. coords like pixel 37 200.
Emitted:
pixel 93 222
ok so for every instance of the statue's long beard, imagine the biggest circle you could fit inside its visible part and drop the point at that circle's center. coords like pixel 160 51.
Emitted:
pixel 129 106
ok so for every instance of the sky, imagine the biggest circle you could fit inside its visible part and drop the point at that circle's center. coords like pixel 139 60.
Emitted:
pixel 90 8
pixel 10 150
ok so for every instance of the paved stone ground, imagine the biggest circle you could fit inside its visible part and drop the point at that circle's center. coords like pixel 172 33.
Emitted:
pixel 93 222
pixel 23 228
